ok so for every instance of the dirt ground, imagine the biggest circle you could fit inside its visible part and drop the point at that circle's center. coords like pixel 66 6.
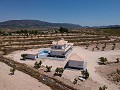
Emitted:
pixel 18 81
pixel 91 57
pixel 108 70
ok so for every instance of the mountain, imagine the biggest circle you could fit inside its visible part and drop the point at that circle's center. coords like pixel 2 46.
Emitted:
pixel 35 24
pixel 110 26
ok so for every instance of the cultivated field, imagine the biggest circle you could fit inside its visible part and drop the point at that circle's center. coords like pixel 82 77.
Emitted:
pixel 89 44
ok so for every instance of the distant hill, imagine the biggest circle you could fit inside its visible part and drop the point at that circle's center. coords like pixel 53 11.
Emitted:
pixel 35 24
pixel 110 26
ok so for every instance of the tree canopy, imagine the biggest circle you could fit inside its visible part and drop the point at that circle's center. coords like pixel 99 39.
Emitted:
pixel 62 30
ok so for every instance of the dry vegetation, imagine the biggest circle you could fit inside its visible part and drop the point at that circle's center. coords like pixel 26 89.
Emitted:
pixel 92 39
pixel 37 39
pixel 110 72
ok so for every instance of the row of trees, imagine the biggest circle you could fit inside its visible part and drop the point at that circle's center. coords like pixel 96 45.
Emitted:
pixel 34 32
pixel 3 33
pixel 27 32
pixel 98 47
pixel 58 71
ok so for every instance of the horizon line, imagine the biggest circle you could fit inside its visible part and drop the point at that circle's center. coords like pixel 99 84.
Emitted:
pixel 62 22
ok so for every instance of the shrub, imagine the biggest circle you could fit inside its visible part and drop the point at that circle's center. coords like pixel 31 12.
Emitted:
pixel 62 30
pixel 87 46
pixel 103 88
pixel 37 65
pixel 40 62
pixel 5 51
pixel 24 56
pixel 103 48
pixel 75 81
pixel 48 68
pixel 59 71
pixel 103 60
pixel 113 47
pixel 117 60
pixel 85 74
pixel 93 49
pixel 118 71
pixel 12 70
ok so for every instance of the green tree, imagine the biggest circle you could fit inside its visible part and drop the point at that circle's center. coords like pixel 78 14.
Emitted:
pixel 85 74
pixel 103 88
pixel 62 30
pixel 59 71
pixel 48 68
pixel 103 60
pixel 37 65
pixel 40 62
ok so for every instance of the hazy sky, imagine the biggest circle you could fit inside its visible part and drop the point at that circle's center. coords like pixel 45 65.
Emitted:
pixel 83 12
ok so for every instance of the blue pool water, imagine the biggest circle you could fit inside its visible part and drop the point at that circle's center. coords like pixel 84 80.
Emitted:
pixel 43 52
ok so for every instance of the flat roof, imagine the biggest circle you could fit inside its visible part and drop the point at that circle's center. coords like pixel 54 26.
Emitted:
pixel 60 42
pixel 32 52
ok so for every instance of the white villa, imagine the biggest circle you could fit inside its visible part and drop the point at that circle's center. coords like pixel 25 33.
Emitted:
pixel 60 48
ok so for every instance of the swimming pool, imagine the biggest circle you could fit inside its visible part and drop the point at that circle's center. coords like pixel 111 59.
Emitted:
pixel 43 52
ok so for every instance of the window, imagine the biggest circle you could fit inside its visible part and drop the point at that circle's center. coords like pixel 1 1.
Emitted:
pixel 59 47
pixel 55 47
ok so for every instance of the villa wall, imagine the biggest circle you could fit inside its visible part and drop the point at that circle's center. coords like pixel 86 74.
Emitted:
pixel 61 53
pixel 56 53
pixel 77 64
pixel 31 56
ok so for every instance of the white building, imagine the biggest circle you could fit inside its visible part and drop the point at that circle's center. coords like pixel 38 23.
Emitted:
pixel 60 48
pixel 32 55
pixel 75 62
